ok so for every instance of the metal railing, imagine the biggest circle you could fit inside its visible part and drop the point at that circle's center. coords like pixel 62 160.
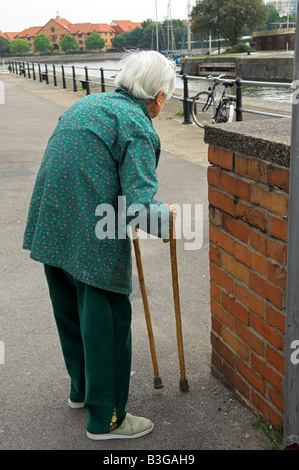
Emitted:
pixel 239 94
pixel 45 71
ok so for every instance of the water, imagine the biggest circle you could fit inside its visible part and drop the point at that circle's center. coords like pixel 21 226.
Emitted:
pixel 282 94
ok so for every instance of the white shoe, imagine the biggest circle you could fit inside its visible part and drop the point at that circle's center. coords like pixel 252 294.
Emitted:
pixel 75 405
pixel 132 427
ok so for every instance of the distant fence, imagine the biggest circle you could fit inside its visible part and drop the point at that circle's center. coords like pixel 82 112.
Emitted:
pixel 43 72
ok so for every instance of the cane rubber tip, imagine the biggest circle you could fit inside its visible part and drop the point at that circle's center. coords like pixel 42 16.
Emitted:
pixel 184 385
pixel 158 383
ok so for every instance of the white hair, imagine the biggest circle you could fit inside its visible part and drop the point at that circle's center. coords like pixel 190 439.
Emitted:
pixel 146 73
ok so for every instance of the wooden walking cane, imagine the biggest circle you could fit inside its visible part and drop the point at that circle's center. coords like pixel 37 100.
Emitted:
pixel 176 298
pixel 157 379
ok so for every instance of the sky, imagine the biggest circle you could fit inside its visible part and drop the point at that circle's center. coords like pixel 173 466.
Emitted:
pixel 17 15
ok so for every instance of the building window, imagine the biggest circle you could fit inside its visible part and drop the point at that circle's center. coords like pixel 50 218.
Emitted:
pixel 52 30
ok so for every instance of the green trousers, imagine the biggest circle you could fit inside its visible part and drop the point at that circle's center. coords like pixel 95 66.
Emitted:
pixel 94 328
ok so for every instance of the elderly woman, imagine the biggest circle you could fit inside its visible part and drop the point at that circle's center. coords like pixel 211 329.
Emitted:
pixel 103 152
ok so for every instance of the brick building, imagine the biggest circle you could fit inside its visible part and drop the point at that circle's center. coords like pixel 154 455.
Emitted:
pixel 57 28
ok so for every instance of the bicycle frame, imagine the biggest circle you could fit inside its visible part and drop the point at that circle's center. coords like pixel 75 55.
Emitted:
pixel 212 98
pixel 222 111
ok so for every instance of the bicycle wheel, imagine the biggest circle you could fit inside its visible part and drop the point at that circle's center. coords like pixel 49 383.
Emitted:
pixel 202 109
pixel 225 112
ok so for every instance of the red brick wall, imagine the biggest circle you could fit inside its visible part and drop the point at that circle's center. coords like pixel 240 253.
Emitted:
pixel 248 209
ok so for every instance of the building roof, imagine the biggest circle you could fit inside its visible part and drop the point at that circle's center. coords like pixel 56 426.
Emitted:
pixel 100 28
pixel 33 31
pixel 125 25
pixel 79 27
pixel 65 24
pixel 62 22
pixel 11 36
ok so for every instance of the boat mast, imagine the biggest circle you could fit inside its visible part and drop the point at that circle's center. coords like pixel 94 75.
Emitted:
pixel 170 37
pixel 171 28
pixel 189 26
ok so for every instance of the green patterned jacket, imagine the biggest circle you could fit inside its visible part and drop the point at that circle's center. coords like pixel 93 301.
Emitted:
pixel 104 147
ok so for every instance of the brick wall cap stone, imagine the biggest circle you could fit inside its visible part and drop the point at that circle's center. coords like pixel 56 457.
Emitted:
pixel 268 140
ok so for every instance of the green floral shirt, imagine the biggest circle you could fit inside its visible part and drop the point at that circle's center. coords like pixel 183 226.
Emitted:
pixel 104 147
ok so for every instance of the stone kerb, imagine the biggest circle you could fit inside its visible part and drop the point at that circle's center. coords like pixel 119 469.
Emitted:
pixel 248 181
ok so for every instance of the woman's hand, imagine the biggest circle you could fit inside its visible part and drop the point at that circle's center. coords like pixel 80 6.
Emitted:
pixel 173 212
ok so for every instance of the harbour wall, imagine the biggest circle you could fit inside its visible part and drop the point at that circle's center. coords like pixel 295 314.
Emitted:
pixel 62 58
pixel 247 67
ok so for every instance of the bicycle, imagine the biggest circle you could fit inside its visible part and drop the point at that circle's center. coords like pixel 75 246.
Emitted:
pixel 205 109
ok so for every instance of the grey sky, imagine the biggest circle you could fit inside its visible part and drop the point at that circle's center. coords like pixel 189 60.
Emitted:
pixel 17 15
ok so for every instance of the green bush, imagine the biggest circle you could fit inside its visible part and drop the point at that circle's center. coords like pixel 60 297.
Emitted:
pixel 238 48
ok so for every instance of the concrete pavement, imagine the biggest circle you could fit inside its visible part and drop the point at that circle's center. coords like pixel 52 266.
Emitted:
pixel 34 385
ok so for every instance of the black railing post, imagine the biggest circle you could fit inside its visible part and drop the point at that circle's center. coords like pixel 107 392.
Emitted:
pixel 24 69
pixel 103 80
pixel 74 79
pixel 54 75
pixel 87 81
pixel 47 75
pixel 33 71
pixel 28 70
pixel 12 66
pixel 40 73
pixel 186 102
pixel 63 77
pixel 239 114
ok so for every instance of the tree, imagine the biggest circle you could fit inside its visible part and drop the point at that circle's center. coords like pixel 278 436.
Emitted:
pixel 69 43
pixel 235 17
pixel 42 43
pixel 118 42
pixel 19 46
pixel 272 17
pixel 133 38
pixel 148 40
pixel 4 45
pixel 94 41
